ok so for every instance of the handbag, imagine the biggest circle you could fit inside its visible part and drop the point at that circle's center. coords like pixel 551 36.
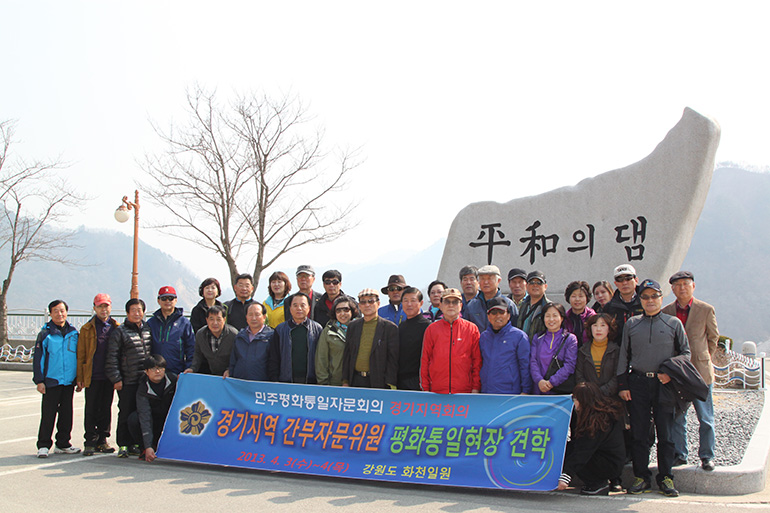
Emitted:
pixel 569 384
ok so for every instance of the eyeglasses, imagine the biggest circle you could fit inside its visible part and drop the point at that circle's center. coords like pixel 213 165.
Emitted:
pixel 166 298
pixel 343 309
pixel 535 282
pixel 395 288
pixel 368 301
pixel 628 277
pixel 645 297
pixel 497 311
pixel 331 282
pixel 451 302
pixel 157 369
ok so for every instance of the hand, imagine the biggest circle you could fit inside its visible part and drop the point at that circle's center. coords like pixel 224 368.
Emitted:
pixel 79 386
pixel 544 386
pixel 188 370
pixel 41 388
pixel 562 486
pixel 625 395
pixel 345 385
pixel 664 378
pixel 226 374
pixel 149 454
pixel 118 386
pixel 475 391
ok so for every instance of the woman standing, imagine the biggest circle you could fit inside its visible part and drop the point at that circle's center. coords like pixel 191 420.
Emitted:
pixel 603 292
pixel 435 290
pixel 54 372
pixel 331 343
pixel 209 290
pixel 577 295
pixel 278 290
pixel 553 353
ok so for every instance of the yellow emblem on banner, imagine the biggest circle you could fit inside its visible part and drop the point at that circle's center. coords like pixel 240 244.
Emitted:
pixel 194 419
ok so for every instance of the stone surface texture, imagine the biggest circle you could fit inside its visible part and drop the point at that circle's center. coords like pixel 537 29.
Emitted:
pixel 644 214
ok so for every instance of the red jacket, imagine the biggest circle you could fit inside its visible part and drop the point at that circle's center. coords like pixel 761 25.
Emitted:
pixel 450 372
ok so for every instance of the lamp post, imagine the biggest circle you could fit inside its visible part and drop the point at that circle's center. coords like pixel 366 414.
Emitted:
pixel 121 215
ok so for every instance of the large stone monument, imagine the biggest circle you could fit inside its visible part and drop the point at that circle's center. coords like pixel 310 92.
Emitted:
pixel 644 214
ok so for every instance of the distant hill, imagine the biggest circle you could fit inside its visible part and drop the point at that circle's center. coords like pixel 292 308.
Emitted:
pixel 107 259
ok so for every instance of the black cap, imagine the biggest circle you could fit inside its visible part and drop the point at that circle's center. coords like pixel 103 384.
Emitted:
pixel 681 275
pixel 517 273
pixel 536 275
pixel 650 284
pixel 497 302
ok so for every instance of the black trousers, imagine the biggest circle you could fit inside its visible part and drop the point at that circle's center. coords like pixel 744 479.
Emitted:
pixel 408 383
pixel 126 406
pixel 57 401
pixel 98 412
pixel 644 398
pixel 158 420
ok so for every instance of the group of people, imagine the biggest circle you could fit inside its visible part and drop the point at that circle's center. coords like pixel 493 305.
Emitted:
pixel 625 353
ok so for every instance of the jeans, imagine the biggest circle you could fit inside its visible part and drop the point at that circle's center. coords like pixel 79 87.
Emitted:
pixel 705 412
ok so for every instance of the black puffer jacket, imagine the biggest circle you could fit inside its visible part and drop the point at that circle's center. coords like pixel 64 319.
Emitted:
pixel 127 348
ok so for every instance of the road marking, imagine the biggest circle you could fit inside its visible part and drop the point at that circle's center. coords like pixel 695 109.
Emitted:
pixel 29 388
pixel 77 459
pixel 19 440
pixel 35 414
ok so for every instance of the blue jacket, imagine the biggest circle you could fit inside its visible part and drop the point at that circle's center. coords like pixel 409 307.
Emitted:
pixel 279 358
pixel 505 361
pixel 476 311
pixel 248 360
pixel 392 314
pixel 174 339
pixel 55 361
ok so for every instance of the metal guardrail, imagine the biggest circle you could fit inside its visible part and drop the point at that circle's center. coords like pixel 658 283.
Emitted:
pixel 740 371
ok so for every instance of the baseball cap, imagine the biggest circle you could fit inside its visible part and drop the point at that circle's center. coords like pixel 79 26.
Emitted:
pixel 167 291
pixel 624 269
pixel 455 293
pixel 536 275
pixel 102 299
pixel 517 273
pixel 307 269
pixel 650 284
pixel 497 303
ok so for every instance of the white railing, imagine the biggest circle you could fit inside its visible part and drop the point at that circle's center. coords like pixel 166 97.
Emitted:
pixel 740 372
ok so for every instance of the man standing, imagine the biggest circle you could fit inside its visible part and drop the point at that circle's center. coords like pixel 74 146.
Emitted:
pixel 214 343
pixel 292 349
pixel 489 284
pixel 504 353
pixel 469 282
pixel 410 334
pixel 517 282
pixel 236 308
pixel 625 302
pixel 649 340
pixel 451 359
pixel 530 321
pixel 700 324
pixel 305 281
pixel 370 358
pixel 248 359
pixel 394 289
pixel 332 282
pixel 172 334
pixel 92 354
pixel 128 346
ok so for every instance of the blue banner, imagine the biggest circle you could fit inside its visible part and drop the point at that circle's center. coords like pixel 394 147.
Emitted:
pixel 476 440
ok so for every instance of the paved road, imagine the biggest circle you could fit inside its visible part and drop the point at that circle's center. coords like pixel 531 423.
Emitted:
pixel 104 483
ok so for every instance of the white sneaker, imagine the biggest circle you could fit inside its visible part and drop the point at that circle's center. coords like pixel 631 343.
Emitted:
pixel 42 452
pixel 66 450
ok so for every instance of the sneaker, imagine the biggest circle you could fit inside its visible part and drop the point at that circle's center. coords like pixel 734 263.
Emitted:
pixel 640 486
pixel 89 451
pixel 66 450
pixel 123 452
pixel 616 485
pixel 667 487
pixel 134 450
pixel 42 452
pixel 600 489
pixel 105 448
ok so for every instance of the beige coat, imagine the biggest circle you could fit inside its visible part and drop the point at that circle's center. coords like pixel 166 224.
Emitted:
pixel 703 334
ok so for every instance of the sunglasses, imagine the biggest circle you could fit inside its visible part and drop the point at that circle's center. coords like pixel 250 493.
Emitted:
pixel 395 288
pixel 621 279
pixel 331 282
pixel 645 297
pixel 368 301
pixel 167 298
pixel 343 309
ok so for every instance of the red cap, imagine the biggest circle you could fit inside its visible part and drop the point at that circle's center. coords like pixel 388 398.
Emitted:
pixel 167 291
pixel 102 299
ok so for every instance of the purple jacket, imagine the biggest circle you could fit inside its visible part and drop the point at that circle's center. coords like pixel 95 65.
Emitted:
pixel 543 347
pixel 569 325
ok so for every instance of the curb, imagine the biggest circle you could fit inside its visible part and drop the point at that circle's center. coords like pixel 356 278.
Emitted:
pixel 15 366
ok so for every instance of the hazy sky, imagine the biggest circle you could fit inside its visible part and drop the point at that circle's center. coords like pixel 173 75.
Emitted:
pixel 450 102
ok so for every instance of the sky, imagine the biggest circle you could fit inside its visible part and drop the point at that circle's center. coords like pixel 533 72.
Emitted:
pixel 447 102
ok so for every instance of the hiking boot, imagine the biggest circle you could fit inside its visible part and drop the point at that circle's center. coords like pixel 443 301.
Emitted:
pixel 105 448
pixel 66 450
pixel 134 450
pixel 640 486
pixel 123 452
pixel 666 487
pixel 89 451
pixel 596 489
pixel 42 452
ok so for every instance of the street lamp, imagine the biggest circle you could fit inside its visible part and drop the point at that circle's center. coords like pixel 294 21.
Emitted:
pixel 122 215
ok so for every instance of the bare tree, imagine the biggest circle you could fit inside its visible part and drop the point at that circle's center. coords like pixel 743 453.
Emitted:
pixel 248 180
pixel 32 196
